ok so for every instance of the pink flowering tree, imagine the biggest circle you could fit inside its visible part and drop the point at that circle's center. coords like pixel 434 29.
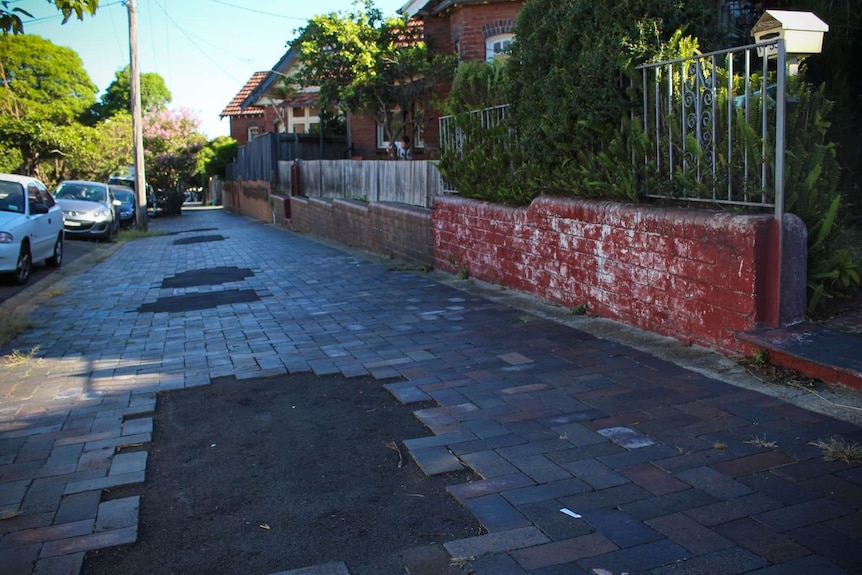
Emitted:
pixel 172 146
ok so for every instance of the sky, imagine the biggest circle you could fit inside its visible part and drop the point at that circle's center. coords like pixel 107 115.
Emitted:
pixel 205 50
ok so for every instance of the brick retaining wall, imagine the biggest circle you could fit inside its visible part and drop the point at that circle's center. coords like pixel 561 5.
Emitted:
pixel 401 231
pixel 250 199
pixel 694 275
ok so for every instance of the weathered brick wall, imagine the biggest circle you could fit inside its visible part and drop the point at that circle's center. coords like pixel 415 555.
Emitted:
pixel 249 199
pixel 403 232
pixel 694 275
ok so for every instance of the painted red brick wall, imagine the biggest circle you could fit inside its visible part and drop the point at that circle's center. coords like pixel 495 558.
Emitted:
pixel 403 232
pixel 694 275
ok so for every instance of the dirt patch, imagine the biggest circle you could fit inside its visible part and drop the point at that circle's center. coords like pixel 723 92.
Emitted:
pixel 267 475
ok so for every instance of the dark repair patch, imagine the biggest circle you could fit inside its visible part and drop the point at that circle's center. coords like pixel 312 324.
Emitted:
pixel 196 301
pixel 198 240
pixel 207 277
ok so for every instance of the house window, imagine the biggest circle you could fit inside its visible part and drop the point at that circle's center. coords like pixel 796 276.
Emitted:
pixel 497 45
pixel 397 122
pixel 305 120
pixel 253 131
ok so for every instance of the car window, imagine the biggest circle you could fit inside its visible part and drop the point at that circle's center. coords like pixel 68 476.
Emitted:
pixel 71 192
pixel 46 195
pixel 11 197
pixel 34 195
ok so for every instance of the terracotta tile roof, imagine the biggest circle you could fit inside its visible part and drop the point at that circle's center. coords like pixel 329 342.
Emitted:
pixel 302 100
pixel 234 108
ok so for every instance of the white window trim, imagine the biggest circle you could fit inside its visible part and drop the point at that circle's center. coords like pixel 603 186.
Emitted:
pixel 253 131
pixel 502 40
pixel 383 144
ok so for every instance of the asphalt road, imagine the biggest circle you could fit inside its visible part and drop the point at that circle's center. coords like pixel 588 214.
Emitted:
pixel 74 249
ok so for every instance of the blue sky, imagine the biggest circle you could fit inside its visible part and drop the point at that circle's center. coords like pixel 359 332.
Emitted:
pixel 204 49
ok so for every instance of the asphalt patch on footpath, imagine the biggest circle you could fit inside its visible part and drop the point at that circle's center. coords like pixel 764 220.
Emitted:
pixel 198 301
pixel 265 475
pixel 199 240
pixel 207 277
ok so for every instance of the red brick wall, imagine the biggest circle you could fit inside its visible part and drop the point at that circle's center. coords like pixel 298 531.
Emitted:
pixel 249 199
pixel 403 232
pixel 466 25
pixel 693 275
pixel 239 125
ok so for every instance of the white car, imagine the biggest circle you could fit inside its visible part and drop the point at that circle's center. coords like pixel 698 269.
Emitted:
pixel 31 227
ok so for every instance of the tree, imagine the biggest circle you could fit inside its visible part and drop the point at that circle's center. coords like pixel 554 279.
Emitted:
pixel 10 19
pixel 217 154
pixel 44 91
pixel 154 94
pixel 172 144
pixel 363 61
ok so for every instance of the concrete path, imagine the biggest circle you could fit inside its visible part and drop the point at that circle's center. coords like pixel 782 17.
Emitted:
pixel 602 449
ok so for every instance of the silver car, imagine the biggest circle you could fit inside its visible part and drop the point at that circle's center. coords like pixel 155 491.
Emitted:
pixel 89 209
pixel 31 227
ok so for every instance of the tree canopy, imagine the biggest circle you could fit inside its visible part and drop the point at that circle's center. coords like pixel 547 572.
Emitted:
pixel 363 61
pixel 10 18
pixel 44 91
pixel 154 94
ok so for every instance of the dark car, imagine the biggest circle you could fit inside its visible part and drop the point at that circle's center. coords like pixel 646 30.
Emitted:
pixel 128 204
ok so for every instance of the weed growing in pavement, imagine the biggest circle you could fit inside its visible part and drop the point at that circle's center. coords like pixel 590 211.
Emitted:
pixel 18 358
pixel 761 442
pixel 839 449
pixel 463 271
pixel 12 325
pixel 719 445
pixel 580 309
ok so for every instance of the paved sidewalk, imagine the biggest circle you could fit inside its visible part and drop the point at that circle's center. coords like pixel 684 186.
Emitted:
pixel 602 449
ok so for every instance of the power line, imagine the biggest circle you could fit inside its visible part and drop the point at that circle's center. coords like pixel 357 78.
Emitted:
pixel 189 38
pixel 258 11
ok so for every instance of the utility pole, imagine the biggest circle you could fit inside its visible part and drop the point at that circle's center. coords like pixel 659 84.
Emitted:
pixel 137 119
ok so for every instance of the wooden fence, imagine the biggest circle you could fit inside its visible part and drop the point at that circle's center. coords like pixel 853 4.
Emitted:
pixel 258 160
pixel 415 183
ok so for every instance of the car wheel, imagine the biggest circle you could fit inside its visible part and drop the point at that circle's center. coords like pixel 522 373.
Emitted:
pixel 56 260
pixel 25 263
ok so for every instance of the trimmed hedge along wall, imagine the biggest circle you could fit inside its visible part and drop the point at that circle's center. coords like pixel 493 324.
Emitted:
pixel 694 275
pixel 691 274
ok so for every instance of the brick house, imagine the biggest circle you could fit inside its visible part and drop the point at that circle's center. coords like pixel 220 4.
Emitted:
pixel 261 106
pixel 246 122
pixel 473 29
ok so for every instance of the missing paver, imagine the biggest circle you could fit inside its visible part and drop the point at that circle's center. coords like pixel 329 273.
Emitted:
pixel 207 277
pixel 198 301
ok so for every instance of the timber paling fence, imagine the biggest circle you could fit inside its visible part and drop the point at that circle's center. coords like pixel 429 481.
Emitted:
pixel 414 183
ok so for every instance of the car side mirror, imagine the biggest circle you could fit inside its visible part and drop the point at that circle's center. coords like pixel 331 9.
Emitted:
pixel 38 209
pixel 117 203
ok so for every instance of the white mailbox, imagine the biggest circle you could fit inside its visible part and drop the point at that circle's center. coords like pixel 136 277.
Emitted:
pixel 802 32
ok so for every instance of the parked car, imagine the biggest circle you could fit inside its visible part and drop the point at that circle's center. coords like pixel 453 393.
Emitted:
pixel 128 204
pixel 89 209
pixel 154 208
pixel 31 227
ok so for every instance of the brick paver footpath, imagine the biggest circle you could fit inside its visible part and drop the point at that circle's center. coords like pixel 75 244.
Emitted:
pixel 594 457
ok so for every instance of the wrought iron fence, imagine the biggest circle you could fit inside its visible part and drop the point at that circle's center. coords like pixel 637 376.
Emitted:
pixel 715 125
pixel 453 137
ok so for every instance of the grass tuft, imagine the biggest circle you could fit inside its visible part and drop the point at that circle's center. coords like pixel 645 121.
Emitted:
pixel 12 325
pixel 839 449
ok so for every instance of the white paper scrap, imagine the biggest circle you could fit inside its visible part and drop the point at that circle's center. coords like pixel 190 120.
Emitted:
pixel 570 513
